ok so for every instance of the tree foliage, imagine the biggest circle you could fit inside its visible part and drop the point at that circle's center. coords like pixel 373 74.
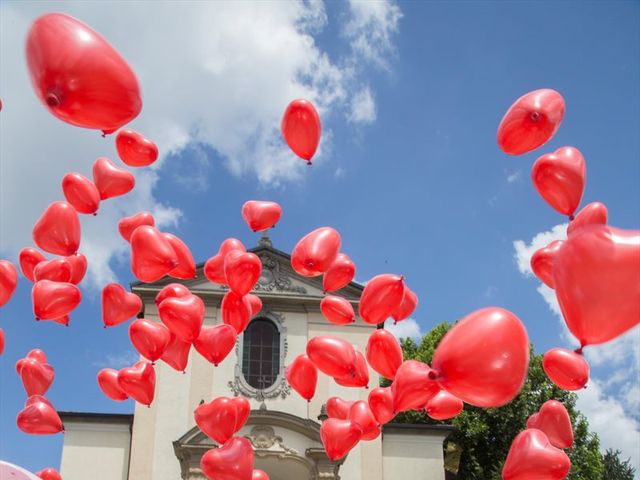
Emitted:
pixel 483 436
pixel 616 469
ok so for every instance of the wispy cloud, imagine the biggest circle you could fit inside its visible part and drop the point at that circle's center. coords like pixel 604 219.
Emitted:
pixel 514 177
pixel 363 107
pixel 118 360
pixel 408 328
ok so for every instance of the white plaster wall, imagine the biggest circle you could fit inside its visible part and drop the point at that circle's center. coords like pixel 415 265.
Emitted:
pixel 412 456
pixel 100 449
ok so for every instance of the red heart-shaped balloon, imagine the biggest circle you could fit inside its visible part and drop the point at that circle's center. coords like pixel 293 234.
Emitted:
pixel 531 456
pixel 359 377
pixel 139 382
pixel 172 290
pixel 444 406
pixel 8 281
pixel 28 259
pixel 338 408
pixel 221 418
pixel 108 382
pixel 339 274
pixel 186 268
pixel 176 355
pixel 301 128
pixel 214 267
pixel 407 306
pixel 338 310
pixel 135 149
pixel 384 353
pixel 242 271
pixel 38 417
pixel 183 316
pixel 316 252
pixel 57 231
pixel 361 414
pixel 559 178
pixel 48 474
pixel 261 215
pixel 38 355
pixel 594 213
pixel 483 360
pixel 236 311
pixel 255 303
pixel 232 461
pixel 381 404
pixel 53 300
pixel 259 475
pixel 531 121
pixel 149 338
pixel 413 386
pixel 567 369
pixel 542 262
pixel 111 180
pixel 333 356
pixel 78 263
pixel 118 305
pixel 302 375
pixel 381 297
pixel 127 225
pixel 216 342
pixel 79 76
pixel 152 256
pixel 36 377
pixel 81 193
pixel 597 281
pixel 1 341
pixel 339 437
pixel 56 270
pixel 553 419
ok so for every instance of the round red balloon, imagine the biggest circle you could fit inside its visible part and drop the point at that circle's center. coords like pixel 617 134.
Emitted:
pixel 596 275
pixel 483 360
pixel 567 369
pixel 301 128
pixel 79 76
pixel 338 310
pixel 81 193
pixel 302 375
pixel 134 149
pixel 559 178
pixel 332 355
pixel 384 353
pixel 444 406
pixel 316 252
pixel 531 121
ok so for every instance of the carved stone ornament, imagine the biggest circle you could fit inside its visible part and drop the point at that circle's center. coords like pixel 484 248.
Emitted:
pixel 274 278
pixel 263 437
pixel 280 387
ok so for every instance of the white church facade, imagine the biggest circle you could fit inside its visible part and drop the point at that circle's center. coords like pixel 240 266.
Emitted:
pixel 163 443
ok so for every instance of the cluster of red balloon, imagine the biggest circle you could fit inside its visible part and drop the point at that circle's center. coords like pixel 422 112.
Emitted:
pixel 595 274
pixel 48 474
pixel 38 417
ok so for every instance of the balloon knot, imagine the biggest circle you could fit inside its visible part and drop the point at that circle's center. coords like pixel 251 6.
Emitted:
pixel 308 163
pixel 104 135
pixel 433 375
pixel 578 350
pixel 95 214
pixel 37 319
pixel 184 372
pixel 535 116
pixel 572 217
pixel 52 100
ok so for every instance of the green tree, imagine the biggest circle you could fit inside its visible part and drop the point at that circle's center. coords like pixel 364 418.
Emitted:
pixel 483 436
pixel 616 469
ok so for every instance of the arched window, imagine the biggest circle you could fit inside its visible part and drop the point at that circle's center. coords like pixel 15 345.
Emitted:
pixel 261 353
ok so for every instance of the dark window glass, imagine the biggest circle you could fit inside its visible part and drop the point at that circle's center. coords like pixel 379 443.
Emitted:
pixel 261 353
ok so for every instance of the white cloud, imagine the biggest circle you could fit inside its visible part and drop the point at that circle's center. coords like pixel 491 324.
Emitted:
pixel 371 29
pixel 216 74
pixel 610 404
pixel 524 251
pixel 408 328
pixel 363 107
pixel 610 421
pixel 514 177
pixel 119 360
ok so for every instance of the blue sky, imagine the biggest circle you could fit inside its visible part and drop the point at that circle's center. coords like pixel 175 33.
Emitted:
pixel 409 171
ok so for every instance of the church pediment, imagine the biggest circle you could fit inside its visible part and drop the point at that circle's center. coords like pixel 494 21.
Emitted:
pixel 278 279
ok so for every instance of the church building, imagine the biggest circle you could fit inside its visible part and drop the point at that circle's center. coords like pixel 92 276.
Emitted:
pixel 162 442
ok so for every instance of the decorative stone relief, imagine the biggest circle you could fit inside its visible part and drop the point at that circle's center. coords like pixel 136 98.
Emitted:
pixel 274 278
pixel 263 437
